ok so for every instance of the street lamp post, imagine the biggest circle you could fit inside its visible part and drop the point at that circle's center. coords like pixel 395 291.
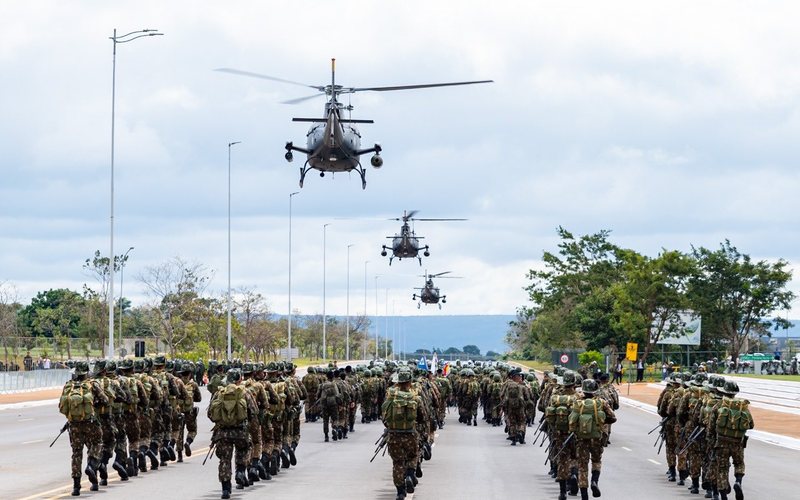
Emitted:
pixel 230 144
pixel 289 347
pixel 377 326
pixel 324 315
pixel 386 327
pixel 122 262
pixel 366 332
pixel 347 330
pixel 128 37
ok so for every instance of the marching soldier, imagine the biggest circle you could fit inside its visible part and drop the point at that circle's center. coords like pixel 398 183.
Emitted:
pixel 667 411
pixel 587 422
pixel 513 403
pixel 557 413
pixel 137 405
pixel 732 420
pixel 188 408
pixel 311 383
pixel 108 426
pixel 79 402
pixel 401 413
pixel 328 398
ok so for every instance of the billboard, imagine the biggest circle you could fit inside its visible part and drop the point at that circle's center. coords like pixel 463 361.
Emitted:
pixel 685 330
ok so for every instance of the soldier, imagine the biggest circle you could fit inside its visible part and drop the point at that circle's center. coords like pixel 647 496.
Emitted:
pixel 105 416
pixel 667 411
pixel 531 389
pixel 188 408
pixel 587 422
pixel 689 413
pixel 230 411
pixel 118 408
pixel 162 424
pixel 470 394
pixel 401 413
pixel 328 398
pixel 446 391
pixel 711 403
pixel 732 420
pixel 355 385
pixel 609 393
pixel 217 372
pixel 149 421
pixel 199 374
pixel 513 403
pixel 138 404
pixel 279 419
pixel 299 395
pixel 311 383
pixel 79 402
pixel 176 405
pixel 256 391
pixel 368 396
pixel 557 414
pixel 266 422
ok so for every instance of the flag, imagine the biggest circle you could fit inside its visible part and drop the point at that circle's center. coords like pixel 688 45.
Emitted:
pixel 446 368
pixel 423 363
pixel 434 362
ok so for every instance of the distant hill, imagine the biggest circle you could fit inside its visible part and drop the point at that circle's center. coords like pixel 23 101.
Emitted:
pixel 428 332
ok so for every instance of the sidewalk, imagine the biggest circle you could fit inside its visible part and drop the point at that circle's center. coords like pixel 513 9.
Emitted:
pixel 770 421
pixel 30 396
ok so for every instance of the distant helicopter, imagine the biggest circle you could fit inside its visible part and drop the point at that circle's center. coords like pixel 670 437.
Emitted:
pixel 333 143
pixel 406 244
pixel 429 294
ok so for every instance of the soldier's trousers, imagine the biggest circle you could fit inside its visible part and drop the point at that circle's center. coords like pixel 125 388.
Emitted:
pixel 403 448
pixel 190 420
pixel 727 450
pixel 328 413
pixel 108 437
pixel 670 445
pixel 177 426
pixel 157 431
pixel 277 435
pixel 351 415
pixel 266 435
pixel 121 435
pixel 225 450
pixel 295 437
pixel 145 427
pixel 564 461
pixel 588 449
pixel 681 458
pixel 132 429
pixel 341 416
pixel 516 422
pixel 84 434
pixel 694 458
pixel 255 436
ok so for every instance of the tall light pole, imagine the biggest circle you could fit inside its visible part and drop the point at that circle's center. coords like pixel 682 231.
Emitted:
pixel 347 330
pixel 386 327
pixel 128 37
pixel 289 347
pixel 230 144
pixel 366 332
pixel 122 262
pixel 377 326
pixel 324 315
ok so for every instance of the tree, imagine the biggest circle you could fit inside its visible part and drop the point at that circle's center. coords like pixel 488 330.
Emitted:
pixel 251 309
pixel 472 350
pixel 735 296
pixel 422 351
pixel 452 350
pixel 492 354
pixel 9 320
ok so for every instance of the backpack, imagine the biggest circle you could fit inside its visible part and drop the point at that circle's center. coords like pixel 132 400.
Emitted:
pixel 587 419
pixel 330 397
pixel 229 407
pixel 514 396
pixel 400 411
pixel 733 418
pixel 133 388
pixel 76 402
pixel 557 414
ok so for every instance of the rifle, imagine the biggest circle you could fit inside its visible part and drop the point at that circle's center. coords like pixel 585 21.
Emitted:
pixel 660 424
pixel 66 426
pixel 566 442
pixel 381 442
pixel 210 449
pixel 694 436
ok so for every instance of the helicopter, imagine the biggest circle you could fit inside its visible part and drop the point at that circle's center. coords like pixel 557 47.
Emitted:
pixel 406 244
pixel 333 143
pixel 429 294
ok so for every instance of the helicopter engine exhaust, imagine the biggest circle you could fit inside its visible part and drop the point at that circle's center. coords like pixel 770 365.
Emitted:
pixel 376 161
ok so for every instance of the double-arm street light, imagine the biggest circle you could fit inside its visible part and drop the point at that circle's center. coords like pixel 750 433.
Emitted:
pixel 324 315
pixel 347 330
pixel 128 37
pixel 377 326
pixel 122 262
pixel 366 329
pixel 230 144
pixel 289 347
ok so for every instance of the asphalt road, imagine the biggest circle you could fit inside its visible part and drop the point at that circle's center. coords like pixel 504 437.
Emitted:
pixel 468 462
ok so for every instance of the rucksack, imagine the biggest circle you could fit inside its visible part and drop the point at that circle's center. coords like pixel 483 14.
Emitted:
pixel 557 414
pixel 133 387
pixel 330 397
pixel 587 419
pixel 514 396
pixel 77 401
pixel 733 418
pixel 400 411
pixel 229 407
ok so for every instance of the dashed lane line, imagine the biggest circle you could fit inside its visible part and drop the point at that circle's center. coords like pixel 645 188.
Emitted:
pixel 653 461
pixel 33 442
pixel 626 448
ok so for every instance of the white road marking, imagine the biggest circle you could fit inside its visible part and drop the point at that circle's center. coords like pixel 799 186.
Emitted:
pixel 626 448
pixel 24 420
pixel 653 461
pixel 32 442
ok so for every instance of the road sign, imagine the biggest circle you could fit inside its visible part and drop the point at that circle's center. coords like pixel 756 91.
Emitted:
pixel 631 350
pixel 564 358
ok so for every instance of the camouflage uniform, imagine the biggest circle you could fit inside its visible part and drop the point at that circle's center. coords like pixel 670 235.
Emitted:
pixel 86 433
pixel 189 410
pixel 311 383
pixel 327 397
pixel 513 401
pixel 590 448
pixel 403 445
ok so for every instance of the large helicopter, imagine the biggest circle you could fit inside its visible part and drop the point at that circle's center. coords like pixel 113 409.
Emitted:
pixel 429 294
pixel 333 143
pixel 406 244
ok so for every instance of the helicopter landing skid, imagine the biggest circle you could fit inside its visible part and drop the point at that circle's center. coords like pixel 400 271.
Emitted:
pixel 305 168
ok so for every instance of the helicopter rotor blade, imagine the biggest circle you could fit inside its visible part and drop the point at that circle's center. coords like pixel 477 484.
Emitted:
pixel 432 220
pixel 298 100
pixel 420 86
pixel 267 77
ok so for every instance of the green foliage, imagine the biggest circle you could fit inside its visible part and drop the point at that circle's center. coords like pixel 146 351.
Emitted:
pixel 587 357
pixel 452 350
pixel 471 350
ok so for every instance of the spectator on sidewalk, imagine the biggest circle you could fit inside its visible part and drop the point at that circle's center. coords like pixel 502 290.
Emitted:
pixel 663 371
pixel 46 363
pixel 27 362
pixel 640 369
pixel 618 373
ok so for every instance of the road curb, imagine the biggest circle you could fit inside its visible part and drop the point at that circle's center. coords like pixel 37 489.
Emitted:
pixel 763 436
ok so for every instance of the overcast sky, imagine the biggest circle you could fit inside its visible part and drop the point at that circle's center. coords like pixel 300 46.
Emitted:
pixel 672 124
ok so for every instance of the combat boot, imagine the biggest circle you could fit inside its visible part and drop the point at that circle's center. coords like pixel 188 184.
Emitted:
pixel 169 444
pixel 187 447
pixel 521 438
pixel 401 492
pixel 410 480
pixel 573 481
pixel 474 421
pixel 344 432
pixel 273 464
pixel 151 452
pixel 133 466
pixel 241 478
pixel 252 472
pixel 737 487
pixel 76 486
pixel 164 454
pixel 284 459
pixel 513 440
pixel 562 487
pixel 671 474
pixel 292 456
pixel 723 495
pixel 265 461
pixel 326 438
pixel 91 472
pixel 715 493
pixel 119 466
pixel 226 489
pixel 142 459
pixel 102 471
pixel 262 472
pixel 418 472
pixel 682 475
pixel 584 494
pixel 180 454
pixel 593 484
pixel 695 488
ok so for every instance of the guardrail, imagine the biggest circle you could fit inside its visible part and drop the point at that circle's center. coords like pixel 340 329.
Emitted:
pixel 32 380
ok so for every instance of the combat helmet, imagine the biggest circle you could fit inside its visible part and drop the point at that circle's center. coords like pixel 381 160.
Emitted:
pixel 111 366
pixel 730 388
pixel 496 377
pixel 367 373
pixel 589 386
pixel 312 370
pixel 81 368
pixel 247 368
pixel 568 379
pixel 160 360
pixel 99 366
pixel 234 375
pixel 699 379
pixel 404 375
